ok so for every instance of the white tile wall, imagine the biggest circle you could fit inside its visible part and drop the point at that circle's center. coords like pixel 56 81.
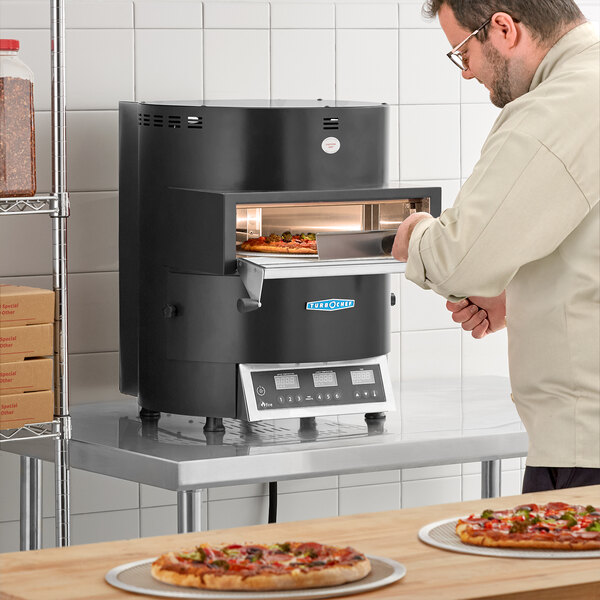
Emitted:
pixel 430 354
pixel 100 67
pixel 411 17
pixel 223 514
pixel 301 506
pixel 168 14
pixel 92 150
pixel 161 56
pixel 110 14
pixel 236 64
pixel 189 49
pixel 303 63
pixel 93 238
pixel 238 15
pixel 422 310
pixel 424 74
pixel 423 492
pixel 367 15
pixel 373 498
pixel 303 15
pixel 20 14
pixel 432 155
pixel 94 377
pixel 488 356
pixel 367 65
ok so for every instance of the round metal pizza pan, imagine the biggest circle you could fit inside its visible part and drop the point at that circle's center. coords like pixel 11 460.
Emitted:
pixel 442 534
pixel 136 577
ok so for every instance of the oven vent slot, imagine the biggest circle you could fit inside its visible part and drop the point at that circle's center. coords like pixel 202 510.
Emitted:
pixel 194 122
pixel 331 123
pixel 157 120
pixel 144 119
pixel 174 121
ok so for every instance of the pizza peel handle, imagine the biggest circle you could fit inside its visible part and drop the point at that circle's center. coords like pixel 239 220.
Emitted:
pixel 387 243
pixel 355 244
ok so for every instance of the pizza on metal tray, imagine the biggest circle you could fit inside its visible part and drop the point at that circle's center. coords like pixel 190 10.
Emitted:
pixel 286 243
pixel 552 526
pixel 250 567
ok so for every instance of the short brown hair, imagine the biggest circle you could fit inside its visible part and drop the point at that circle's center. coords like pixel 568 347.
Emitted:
pixel 544 18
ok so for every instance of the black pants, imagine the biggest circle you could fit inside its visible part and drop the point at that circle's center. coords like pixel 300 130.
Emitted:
pixel 540 479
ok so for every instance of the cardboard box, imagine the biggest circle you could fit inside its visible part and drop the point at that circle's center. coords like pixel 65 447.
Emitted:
pixel 31 341
pixel 22 305
pixel 17 410
pixel 31 375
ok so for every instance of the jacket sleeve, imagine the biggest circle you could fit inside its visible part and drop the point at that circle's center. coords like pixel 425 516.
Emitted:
pixel 519 204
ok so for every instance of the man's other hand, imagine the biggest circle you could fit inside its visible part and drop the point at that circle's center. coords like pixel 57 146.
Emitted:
pixel 480 315
pixel 400 248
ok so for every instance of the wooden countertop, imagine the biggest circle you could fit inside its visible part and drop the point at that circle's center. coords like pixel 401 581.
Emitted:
pixel 77 573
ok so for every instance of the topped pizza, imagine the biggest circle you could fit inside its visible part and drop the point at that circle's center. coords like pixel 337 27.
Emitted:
pixel 286 243
pixel 554 526
pixel 288 565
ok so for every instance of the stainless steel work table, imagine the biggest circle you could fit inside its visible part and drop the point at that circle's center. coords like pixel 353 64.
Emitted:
pixel 438 422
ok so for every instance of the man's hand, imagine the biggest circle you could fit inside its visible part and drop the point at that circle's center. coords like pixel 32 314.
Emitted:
pixel 400 247
pixel 480 315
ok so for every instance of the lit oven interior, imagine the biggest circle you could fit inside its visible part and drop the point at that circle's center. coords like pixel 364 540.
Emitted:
pixel 254 220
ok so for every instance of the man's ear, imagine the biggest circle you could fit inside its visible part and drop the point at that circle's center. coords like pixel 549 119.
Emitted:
pixel 504 31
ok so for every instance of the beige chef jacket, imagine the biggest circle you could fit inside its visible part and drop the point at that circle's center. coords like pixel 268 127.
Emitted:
pixel 527 221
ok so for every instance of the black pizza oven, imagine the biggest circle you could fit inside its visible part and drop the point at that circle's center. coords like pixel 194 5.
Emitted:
pixel 207 330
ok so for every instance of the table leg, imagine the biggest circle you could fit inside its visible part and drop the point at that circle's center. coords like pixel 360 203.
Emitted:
pixel 189 511
pixel 31 503
pixel 490 478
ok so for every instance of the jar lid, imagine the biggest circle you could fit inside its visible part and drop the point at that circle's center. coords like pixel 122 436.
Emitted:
pixel 9 44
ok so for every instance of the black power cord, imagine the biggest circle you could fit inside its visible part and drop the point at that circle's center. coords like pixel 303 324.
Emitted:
pixel 272 502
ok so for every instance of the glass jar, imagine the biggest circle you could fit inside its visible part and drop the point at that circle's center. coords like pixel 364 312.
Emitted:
pixel 17 128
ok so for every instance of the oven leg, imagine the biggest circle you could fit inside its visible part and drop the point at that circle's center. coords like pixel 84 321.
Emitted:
pixel 375 416
pixel 149 416
pixel 189 511
pixel 490 478
pixel 31 503
pixel 214 425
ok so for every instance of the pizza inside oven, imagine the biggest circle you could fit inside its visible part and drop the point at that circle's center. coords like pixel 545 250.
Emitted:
pixel 281 566
pixel 552 526
pixel 286 243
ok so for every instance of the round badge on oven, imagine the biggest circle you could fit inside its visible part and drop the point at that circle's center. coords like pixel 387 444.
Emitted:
pixel 330 145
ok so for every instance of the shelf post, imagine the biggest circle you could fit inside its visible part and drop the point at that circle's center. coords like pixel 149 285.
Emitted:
pixel 59 271
pixel 31 503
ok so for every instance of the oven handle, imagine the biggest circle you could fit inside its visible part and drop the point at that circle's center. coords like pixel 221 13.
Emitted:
pixel 246 305
pixel 254 271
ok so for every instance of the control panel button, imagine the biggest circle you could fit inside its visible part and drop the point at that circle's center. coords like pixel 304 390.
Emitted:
pixel 374 394
pixel 290 399
pixel 357 395
pixel 337 395
pixel 299 398
pixel 365 394
pixel 280 400
pixel 327 396
pixel 260 390
pixel 319 397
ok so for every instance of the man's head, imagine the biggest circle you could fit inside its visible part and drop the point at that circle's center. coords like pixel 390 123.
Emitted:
pixel 513 38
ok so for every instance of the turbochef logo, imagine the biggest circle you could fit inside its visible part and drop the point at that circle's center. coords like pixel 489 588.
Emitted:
pixel 331 304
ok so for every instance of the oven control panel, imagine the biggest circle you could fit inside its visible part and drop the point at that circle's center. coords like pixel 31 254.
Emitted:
pixel 278 391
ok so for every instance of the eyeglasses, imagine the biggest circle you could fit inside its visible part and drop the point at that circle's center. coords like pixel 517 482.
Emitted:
pixel 455 55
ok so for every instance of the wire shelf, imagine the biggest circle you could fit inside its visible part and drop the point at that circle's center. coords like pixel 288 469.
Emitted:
pixel 40 204
pixel 34 431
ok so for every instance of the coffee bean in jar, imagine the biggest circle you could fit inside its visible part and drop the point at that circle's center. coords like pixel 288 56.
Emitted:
pixel 17 126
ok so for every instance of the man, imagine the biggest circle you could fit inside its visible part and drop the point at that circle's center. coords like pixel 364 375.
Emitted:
pixel 521 242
